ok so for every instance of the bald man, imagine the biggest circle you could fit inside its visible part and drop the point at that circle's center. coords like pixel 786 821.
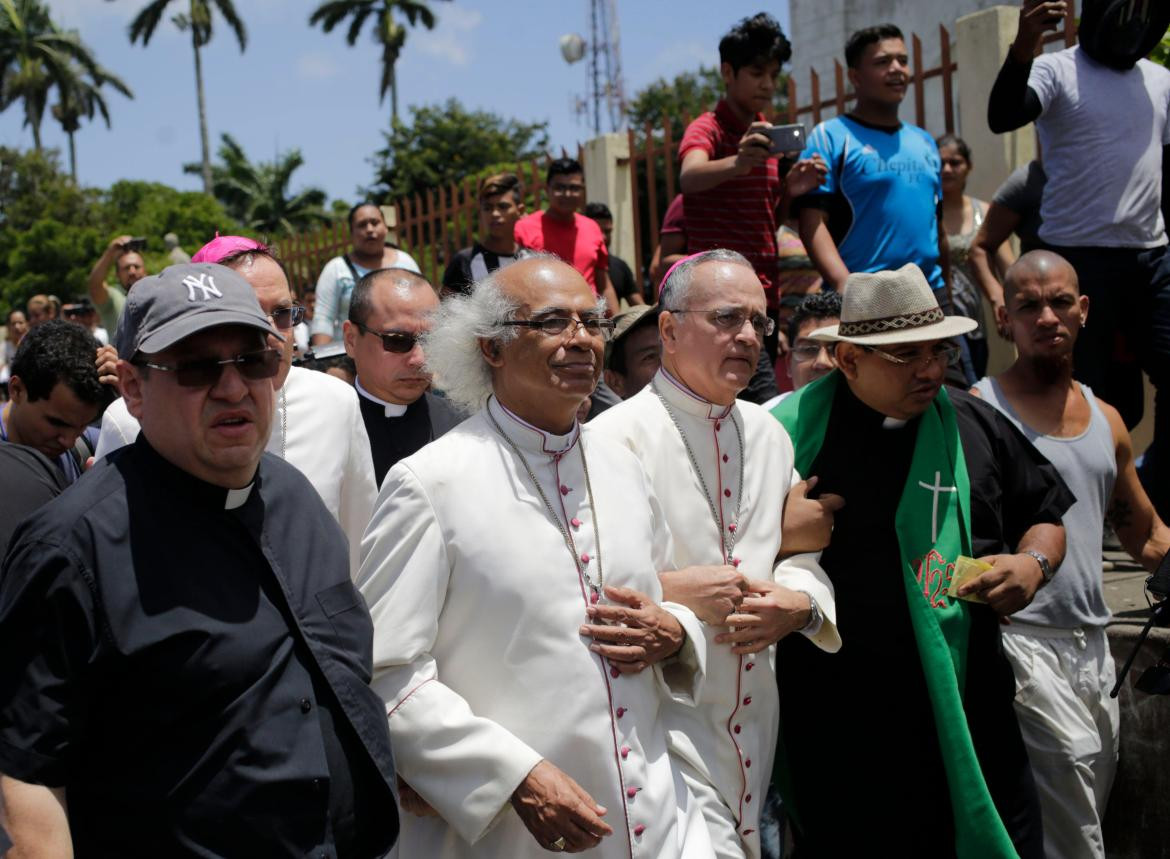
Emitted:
pixel 389 309
pixel 1070 726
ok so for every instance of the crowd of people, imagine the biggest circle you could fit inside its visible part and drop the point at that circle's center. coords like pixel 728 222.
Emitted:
pixel 745 558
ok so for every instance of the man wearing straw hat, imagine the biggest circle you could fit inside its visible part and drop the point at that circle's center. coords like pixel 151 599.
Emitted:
pixel 920 693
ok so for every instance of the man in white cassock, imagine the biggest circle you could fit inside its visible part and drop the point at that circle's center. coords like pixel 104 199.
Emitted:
pixel 723 468
pixel 521 643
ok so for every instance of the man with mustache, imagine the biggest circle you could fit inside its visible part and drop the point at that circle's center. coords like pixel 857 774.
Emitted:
pixel 388 312
pixel 180 642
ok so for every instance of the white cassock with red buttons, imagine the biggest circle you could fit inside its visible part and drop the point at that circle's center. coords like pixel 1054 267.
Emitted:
pixel 728 741
pixel 477 604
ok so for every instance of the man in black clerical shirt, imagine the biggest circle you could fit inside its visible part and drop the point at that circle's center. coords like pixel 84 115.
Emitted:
pixel 908 732
pixel 388 311
pixel 183 659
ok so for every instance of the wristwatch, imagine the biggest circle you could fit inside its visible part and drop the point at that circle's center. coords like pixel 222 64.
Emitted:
pixel 1045 568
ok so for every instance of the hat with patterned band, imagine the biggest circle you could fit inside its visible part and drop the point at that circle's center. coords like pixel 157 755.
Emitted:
pixel 885 307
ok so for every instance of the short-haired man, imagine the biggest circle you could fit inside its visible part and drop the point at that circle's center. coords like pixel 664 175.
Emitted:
pixel 929 477
pixel 180 642
pixel 129 268
pixel 501 205
pixel 878 207
pixel 317 427
pixel 625 285
pixel 722 469
pixel 55 392
pixel 809 359
pixel 563 231
pixel 634 354
pixel 1057 645
pixel 389 311
pixel 510 569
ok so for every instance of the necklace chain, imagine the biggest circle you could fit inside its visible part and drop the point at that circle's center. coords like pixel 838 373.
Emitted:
pixel 729 535
pixel 284 421
pixel 582 570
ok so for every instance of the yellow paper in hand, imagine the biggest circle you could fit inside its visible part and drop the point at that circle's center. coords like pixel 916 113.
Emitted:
pixel 967 569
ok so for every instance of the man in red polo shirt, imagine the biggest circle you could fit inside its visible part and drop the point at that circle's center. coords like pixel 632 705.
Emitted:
pixel 733 188
pixel 562 231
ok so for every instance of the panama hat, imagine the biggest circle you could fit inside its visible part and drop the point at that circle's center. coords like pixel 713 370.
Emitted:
pixel 884 307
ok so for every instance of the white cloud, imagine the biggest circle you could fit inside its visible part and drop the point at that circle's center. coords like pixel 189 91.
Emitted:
pixel 316 66
pixel 451 38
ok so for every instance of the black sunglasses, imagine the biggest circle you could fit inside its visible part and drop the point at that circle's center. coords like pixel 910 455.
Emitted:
pixel 206 372
pixel 399 342
pixel 285 318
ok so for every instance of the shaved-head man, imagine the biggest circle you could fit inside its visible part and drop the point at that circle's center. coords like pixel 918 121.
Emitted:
pixel 1070 726
pixel 388 312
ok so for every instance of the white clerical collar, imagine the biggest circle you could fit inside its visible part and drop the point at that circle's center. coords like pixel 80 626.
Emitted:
pixel 529 438
pixel 679 396
pixel 893 423
pixel 236 497
pixel 393 410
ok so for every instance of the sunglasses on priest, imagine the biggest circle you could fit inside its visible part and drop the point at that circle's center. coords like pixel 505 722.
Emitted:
pixel 399 342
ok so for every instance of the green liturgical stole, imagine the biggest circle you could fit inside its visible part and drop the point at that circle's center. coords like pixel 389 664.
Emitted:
pixel 933 522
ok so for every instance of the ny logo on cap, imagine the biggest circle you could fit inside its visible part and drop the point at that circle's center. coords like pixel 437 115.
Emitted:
pixel 205 283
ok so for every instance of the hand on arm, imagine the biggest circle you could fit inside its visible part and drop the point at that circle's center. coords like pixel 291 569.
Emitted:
pixel 712 593
pixel 36 820
pixel 990 244
pixel 767 614
pixel 1013 580
pixel 700 173
pixel 634 632
pixel 96 284
pixel 553 806
pixel 822 250
pixel 807 524
pixel 1139 528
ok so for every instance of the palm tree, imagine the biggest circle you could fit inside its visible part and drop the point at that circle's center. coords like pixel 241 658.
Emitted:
pixel 197 19
pixel 258 194
pixel 35 56
pixel 388 32
pixel 81 99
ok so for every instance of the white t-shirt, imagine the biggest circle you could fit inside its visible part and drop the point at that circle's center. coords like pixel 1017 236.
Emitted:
pixel 334 288
pixel 327 442
pixel 1102 133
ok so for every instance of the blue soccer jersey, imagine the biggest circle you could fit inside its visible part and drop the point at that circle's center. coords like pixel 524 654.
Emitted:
pixel 882 194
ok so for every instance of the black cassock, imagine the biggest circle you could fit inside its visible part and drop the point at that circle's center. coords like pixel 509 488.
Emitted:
pixel 858 736
pixel 392 439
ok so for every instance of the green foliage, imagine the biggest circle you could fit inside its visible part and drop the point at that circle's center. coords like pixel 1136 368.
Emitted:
pixel 52 231
pixel 687 95
pixel 445 144
pixel 1161 52
pixel 258 194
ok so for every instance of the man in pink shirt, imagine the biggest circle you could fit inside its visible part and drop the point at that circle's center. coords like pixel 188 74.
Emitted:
pixel 562 231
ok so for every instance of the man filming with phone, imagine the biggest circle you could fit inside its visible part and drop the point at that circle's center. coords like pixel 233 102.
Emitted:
pixel 732 175
pixel 125 253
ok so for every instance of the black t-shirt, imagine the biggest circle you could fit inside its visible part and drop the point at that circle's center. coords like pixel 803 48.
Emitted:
pixel 473 264
pixel 30 481
pixel 196 677
pixel 623 280
pixel 868 703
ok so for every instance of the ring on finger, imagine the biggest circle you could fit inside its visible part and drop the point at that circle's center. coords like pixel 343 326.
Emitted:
pixel 559 844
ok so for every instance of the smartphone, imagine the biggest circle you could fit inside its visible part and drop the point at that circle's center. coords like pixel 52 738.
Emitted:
pixel 786 138
pixel 137 243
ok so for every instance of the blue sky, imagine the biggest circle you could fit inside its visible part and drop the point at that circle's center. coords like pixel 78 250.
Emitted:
pixel 298 87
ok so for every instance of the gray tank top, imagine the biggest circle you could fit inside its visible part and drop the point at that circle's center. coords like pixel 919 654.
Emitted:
pixel 1088 464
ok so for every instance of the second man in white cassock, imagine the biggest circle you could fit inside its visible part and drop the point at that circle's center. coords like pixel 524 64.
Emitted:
pixel 723 469
pixel 522 645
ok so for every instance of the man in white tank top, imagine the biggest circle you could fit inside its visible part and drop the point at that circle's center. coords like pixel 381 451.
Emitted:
pixel 1057 645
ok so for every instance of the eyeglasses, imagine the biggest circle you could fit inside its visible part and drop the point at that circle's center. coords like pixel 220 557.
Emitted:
pixel 398 342
pixel 732 319
pixel 285 318
pixel 948 353
pixel 807 351
pixel 206 372
pixel 560 190
pixel 595 326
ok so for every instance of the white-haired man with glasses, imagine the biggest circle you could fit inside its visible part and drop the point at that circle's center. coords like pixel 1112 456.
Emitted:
pixel 913 730
pixel 723 469
pixel 523 647
pixel 179 634
pixel 317 425
pixel 389 311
